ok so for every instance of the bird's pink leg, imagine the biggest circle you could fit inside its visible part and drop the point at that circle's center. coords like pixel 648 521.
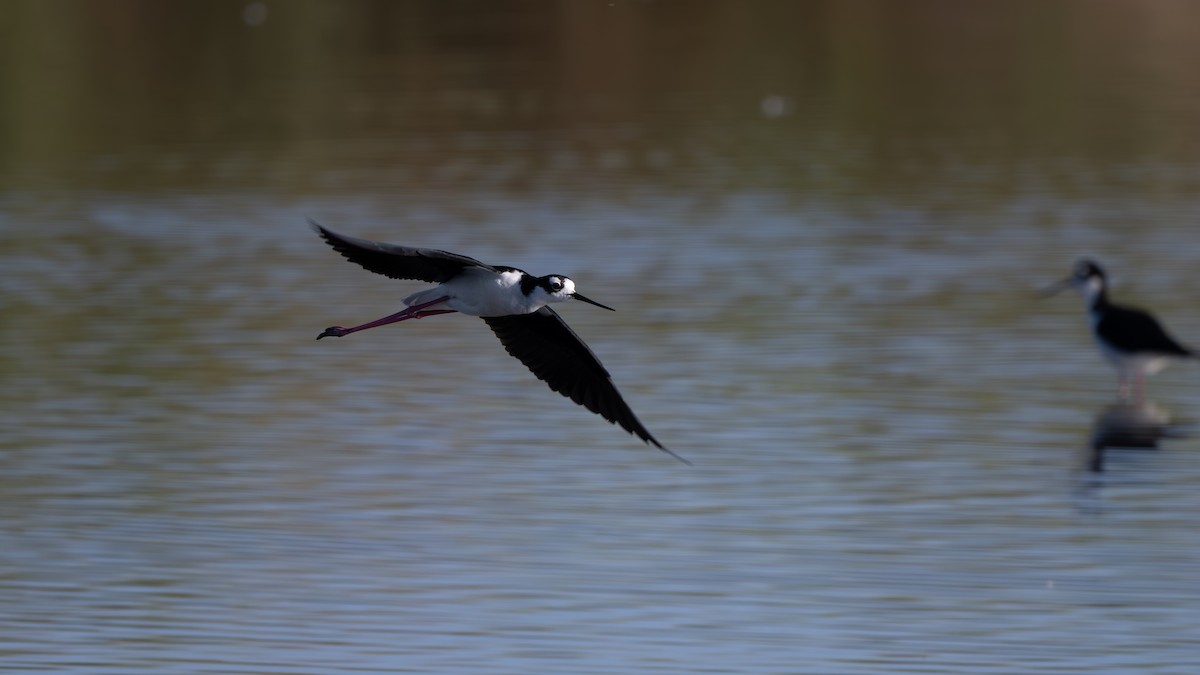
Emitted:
pixel 1132 388
pixel 414 312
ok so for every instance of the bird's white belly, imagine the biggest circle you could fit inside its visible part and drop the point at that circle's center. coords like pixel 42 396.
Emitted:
pixel 479 293
pixel 1147 364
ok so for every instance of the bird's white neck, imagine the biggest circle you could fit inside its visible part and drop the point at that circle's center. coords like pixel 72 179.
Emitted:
pixel 1093 292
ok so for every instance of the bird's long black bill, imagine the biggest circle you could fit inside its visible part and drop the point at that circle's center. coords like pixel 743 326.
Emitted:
pixel 672 453
pixel 592 302
pixel 1056 288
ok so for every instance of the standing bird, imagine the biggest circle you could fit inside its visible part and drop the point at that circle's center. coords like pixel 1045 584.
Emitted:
pixel 1131 339
pixel 513 303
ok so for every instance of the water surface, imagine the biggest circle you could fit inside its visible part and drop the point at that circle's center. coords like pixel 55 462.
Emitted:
pixel 822 224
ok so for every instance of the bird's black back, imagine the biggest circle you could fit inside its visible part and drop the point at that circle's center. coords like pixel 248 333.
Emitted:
pixel 1132 330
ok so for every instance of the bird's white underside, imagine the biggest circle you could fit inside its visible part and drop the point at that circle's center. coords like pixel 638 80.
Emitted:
pixel 480 292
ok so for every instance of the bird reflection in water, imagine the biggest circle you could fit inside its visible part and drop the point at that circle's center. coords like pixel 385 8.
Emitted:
pixel 1130 425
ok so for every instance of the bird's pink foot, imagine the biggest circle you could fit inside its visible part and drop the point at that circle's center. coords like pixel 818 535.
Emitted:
pixel 333 331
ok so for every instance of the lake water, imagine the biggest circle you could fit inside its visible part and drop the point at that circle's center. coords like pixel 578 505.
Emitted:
pixel 823 225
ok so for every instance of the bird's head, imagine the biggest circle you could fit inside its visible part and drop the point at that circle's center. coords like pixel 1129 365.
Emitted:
pixel 558 288
pixel 1087 277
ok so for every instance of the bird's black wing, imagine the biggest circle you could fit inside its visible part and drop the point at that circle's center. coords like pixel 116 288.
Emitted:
pixel 1133 330
pixel 399 262
pixel 553 352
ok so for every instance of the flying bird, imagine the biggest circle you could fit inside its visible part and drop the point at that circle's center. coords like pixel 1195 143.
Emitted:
pixel 1131 339
pixel 513 303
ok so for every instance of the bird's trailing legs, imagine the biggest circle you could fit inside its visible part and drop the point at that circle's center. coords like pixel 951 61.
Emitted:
pixel 1132 388
pixel 414 312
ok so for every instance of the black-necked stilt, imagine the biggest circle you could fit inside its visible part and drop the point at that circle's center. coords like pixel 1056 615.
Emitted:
pixel 1131 339
pixel 513 303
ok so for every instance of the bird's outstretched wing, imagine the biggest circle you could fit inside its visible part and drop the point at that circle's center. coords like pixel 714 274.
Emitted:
pixel 399 262
pixel 1136 331
pixel 553 352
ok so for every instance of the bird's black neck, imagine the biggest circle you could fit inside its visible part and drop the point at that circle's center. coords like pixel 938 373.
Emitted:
pixel 528 282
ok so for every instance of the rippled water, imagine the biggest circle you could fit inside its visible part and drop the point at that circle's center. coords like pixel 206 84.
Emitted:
pixel 826 292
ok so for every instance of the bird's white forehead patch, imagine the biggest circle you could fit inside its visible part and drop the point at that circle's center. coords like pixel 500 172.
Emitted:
pixel 568 286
